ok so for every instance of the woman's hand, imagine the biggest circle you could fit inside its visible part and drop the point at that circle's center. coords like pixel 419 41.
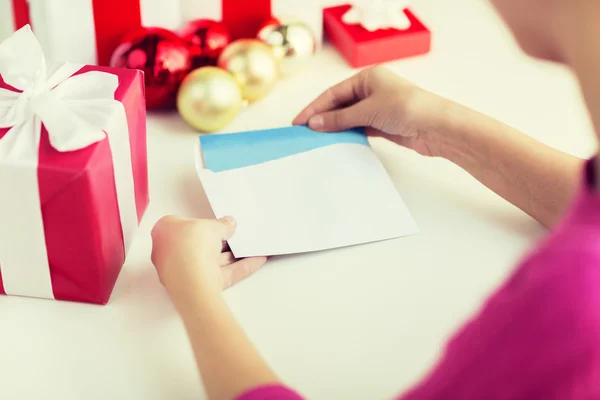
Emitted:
pixel 531 175
pixel 192 262
pixel 191 257
pixel 385 104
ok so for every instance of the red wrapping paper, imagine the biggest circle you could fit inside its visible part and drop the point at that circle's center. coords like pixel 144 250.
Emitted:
pixel 111 28
pixel 362 48
pixel 244 18
pixel 21 13
pixel 82 224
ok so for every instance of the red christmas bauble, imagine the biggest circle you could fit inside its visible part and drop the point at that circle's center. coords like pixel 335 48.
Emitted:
pixel 206 39
pixel 162 55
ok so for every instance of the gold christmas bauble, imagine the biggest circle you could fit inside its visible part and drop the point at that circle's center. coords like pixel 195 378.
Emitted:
pixel 293 44
pixel 254 66
pixel 209 98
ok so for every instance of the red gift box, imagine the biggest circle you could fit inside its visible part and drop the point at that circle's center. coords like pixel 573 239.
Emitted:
pixel 243 19
pixel 362 48
pixel 82 206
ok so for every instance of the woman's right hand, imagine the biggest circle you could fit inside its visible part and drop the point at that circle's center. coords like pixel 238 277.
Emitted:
pixel 386 105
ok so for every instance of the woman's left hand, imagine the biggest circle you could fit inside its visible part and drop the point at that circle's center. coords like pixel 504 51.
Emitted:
pixel 192 258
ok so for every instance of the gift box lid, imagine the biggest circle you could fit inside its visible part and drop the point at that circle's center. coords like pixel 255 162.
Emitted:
pixel 362 47
pixel 359 34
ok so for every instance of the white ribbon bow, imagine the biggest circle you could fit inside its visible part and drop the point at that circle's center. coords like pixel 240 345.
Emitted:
pixel 378 14
pixel 77 111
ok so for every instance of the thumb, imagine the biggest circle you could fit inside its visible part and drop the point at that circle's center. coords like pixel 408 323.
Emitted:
pixel 240 270
pixel 340 120
pixel 226 227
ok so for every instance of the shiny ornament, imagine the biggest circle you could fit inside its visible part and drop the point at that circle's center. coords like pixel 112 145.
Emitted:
pixel 206 39
pixel 293 44
pixel 162 55
pixel 254 66
pixel 209 99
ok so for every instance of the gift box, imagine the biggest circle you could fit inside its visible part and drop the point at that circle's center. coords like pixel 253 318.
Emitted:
pixel 73 173
pixel 87 31
pixel 244 18
pixel 362 47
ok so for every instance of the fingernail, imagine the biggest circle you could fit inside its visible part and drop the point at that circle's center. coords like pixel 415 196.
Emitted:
pixel 316 122
pixel 229 220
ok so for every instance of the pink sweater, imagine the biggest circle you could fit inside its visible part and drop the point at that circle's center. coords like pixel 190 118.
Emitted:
pixel 537 336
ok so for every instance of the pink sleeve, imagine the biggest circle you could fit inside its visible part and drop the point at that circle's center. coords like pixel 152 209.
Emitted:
pixel 538 337
pixel 274 392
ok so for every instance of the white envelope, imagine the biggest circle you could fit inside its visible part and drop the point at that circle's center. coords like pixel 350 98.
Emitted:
pixel 293 190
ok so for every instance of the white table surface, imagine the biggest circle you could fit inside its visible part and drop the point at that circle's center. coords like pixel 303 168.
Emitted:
pixel 355 323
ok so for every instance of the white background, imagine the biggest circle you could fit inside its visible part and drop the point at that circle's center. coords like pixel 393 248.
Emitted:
pixel 356 323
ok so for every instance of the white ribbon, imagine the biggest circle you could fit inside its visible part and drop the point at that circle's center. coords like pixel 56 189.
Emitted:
pixel 77 111
pixel 378 14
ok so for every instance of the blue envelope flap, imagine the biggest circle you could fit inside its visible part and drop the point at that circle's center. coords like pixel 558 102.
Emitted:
pixel 236 150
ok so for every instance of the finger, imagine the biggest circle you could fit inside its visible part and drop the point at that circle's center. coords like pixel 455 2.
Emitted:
pixel 226 259
pixel 241 269
pixel 336 96
pixel 225 246
pixel 161 225
pixel 226 227
pixel 340 120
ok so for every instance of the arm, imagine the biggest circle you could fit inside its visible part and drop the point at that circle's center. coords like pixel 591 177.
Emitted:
pixel 194 265
pixel 581 40
pixel 529 174
pixel 538 179
pixel 228 362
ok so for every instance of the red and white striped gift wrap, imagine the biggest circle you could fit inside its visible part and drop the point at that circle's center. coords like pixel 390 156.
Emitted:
pixel 85 31
pixel 88 31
